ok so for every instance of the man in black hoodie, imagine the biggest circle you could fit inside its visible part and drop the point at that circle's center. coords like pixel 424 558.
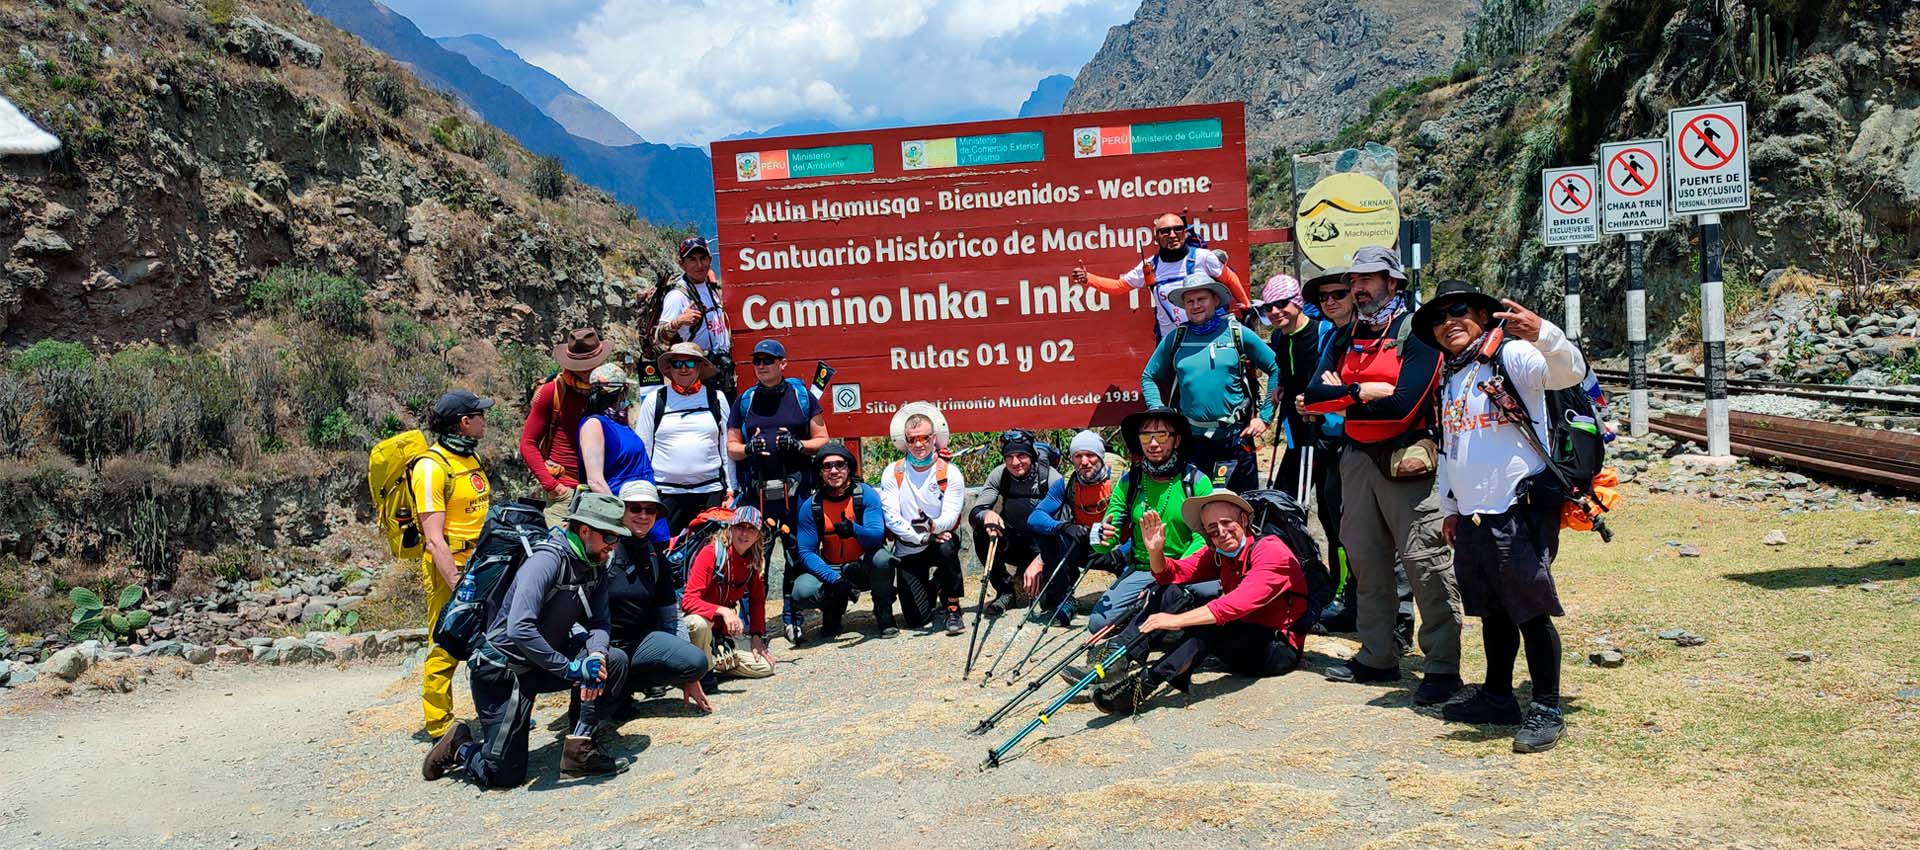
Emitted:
pixel 531 648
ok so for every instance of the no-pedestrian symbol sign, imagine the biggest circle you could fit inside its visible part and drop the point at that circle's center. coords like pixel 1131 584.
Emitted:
pixel 1633 191
pixel 1707 148
pixel 1569 214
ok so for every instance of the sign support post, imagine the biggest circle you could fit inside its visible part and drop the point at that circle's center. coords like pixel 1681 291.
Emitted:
pixel 1707 147
pixel 1637 333
pixel 1573 293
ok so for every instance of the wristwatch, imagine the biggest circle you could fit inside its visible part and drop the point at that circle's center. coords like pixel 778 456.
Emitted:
pixel 1353 391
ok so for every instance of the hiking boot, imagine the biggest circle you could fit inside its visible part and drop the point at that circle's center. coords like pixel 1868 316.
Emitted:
pixel 1001 602
pixel 1075 672
pixel 1354 671
pixel 1483 709
pixel 1403 634
pixel 956 624
pixel 1063 618
pixel 445 754
pixel 830 624
pixel 1542 728
pixel 1436 688
pixel 1124 696
pixel 579 756
pixel 796 631
pixel 883 620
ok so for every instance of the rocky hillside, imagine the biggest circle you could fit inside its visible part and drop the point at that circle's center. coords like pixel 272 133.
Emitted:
pixel 1304 68
pixel 1835 151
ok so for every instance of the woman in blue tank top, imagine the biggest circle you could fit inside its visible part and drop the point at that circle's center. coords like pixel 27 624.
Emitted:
pixel 611 454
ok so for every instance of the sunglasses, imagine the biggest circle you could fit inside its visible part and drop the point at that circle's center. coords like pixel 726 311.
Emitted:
pixel 1334 294
pixel 919 441
pixel 763 360
pixel 1155 438
pixel 1445 312
pixel 642 508
pixel 1163 231
pixel 833 464
pixel 682 364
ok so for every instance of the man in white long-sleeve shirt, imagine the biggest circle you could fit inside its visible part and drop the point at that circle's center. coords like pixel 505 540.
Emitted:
pixel 1500 501
pixel 923 497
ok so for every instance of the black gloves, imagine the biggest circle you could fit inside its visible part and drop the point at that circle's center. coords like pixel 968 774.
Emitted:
pixel 787 444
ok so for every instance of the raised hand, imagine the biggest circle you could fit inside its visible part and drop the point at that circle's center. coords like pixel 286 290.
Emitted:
pixel 1522 323
pixel 1153 532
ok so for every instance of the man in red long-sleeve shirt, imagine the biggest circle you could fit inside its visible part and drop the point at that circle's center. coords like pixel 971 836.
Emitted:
pixel 1254 591
pixel 547 440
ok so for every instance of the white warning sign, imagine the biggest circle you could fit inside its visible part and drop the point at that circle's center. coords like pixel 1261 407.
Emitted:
pixel 1569 212
pixel 1709 158
pixel 1633 186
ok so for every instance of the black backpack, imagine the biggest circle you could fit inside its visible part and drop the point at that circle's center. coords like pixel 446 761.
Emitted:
pixel 1276 513
pixel 511 532
pixel 1576 448
pixel 820 510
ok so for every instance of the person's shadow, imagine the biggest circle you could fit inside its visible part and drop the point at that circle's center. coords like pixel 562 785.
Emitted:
pixel 543 765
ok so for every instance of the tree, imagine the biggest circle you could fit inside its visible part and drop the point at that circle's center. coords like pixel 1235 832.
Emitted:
pixel 549 180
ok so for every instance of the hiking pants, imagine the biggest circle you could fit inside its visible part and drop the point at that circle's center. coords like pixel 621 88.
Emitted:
pixel 1119 600
pixel 922 575
pixel 436 674
pixel 556 512
pixel 1017 549
pixel 504 701
pixel 722 658
pixel 1324 479
pixel 1247 649
pixel 1207 452
pixel 872 573
pixel 1382 519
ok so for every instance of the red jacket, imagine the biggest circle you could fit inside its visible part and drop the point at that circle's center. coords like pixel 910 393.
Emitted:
pixel 1265 585
pixel 562 453
pixel 707 591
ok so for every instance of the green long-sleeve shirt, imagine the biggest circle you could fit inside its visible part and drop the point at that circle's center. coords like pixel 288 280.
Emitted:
pixel 1156 495
pixel 1205 372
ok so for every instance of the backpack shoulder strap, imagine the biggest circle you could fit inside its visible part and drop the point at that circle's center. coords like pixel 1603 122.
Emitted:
pixel 659 409
pixel 553 418
pixel 940 469
pixel 1190 479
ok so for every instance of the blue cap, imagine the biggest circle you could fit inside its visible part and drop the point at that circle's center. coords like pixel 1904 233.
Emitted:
pixel 771 347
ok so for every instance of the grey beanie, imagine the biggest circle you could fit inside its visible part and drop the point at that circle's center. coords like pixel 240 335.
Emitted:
pixel 1087 441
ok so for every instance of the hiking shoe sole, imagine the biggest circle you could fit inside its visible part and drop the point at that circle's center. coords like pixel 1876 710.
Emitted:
pixel 445 753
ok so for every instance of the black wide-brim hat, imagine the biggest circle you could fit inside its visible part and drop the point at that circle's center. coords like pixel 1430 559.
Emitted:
pixel 1130 426
pixel 1447 292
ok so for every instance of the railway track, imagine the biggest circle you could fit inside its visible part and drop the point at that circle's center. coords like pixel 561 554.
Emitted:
pixel 1870 455
pixel 1887 398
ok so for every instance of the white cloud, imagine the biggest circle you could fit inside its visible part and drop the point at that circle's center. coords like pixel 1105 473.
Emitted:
pixel 697 70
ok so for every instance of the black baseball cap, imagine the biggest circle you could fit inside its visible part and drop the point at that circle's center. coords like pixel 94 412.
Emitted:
pixel 457 403
pixel 692 244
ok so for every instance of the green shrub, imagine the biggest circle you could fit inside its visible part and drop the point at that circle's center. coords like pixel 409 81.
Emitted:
pixel 526 367
pixel 390 94
pixel 325 377
pixel 51 353
pixel 549 178
pixel 337 302
pixel 17 402
pixel 219 12
pixel 336 430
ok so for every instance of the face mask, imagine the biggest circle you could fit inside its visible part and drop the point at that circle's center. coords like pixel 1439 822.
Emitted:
pixel 459 444
pixel 1232 554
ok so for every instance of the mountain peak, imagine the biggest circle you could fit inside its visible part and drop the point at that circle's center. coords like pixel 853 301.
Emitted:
pixel 1048 98
pixel 550 94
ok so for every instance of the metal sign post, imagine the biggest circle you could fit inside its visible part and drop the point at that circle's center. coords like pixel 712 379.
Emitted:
pixel 1707 147
pixel 1633 201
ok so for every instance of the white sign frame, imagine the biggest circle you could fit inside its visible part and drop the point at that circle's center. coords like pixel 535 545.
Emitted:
pixel 1623 210
pixel 1693 129
pixel 1559 227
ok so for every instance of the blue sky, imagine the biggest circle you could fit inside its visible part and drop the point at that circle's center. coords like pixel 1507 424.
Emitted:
pixel 698 70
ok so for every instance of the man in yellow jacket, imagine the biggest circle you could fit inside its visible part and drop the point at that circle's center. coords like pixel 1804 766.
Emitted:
pixel 450 496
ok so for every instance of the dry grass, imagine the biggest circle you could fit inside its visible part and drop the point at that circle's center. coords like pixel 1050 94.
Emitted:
pixel 1162 803
pixel 126 674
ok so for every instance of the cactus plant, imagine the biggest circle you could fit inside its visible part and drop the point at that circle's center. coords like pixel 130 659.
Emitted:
pixel 340 621
pixel 91 619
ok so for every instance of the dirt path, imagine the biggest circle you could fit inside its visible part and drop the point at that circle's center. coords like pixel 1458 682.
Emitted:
pixel 847 747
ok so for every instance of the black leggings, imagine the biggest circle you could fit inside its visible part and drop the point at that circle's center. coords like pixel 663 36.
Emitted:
pixel 1503 637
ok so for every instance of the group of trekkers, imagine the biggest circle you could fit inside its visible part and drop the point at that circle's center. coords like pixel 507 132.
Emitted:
pixel 1396 418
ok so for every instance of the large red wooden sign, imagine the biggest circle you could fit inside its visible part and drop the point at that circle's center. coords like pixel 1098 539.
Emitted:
pixel 933 263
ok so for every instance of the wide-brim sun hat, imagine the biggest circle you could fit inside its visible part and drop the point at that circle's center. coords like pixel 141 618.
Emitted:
pixel 582 350
pixel 1130 426
pixel 1374 258
pixel 682 350
pixel 1200 281
pixel 600 512
pixel 1190 509
pixel 1449 292
pixel 898 427
pixel 1311 289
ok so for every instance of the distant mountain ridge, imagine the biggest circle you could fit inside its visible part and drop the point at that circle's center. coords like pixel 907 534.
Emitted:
pixel 1048 98
pixel 664 184
pixel 551 95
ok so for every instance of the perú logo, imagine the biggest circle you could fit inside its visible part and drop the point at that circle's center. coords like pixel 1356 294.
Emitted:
pixel 747 165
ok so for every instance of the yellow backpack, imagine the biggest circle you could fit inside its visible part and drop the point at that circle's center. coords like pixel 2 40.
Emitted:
pixel 390 481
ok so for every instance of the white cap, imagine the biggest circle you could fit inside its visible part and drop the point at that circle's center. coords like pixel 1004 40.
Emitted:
pixel 640 491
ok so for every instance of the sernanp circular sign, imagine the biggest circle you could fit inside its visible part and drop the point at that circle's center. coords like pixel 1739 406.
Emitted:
pixel 1342 214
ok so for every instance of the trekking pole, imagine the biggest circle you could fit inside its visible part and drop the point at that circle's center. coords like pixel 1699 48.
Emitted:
pixel 1066 603
pixel 1273 462
pixel 1014 702
pixel 1033 608
pixel 1098 672
pixel 1306 478
pixel 980 608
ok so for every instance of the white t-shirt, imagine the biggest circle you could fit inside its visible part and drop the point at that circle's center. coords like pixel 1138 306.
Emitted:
pixel 1482 458
pixel 918 494
pixel 689 448
pixel 1168 277
pixel 712 335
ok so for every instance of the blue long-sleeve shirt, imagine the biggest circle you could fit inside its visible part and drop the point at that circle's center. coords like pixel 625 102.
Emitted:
pixel 1045 518
pixel 870 533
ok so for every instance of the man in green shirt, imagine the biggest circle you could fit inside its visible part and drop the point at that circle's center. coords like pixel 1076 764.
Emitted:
pixel 1160 480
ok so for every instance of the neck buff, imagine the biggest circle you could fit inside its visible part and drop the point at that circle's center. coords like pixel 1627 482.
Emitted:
pixel 922 464
pixel 1163 469
pixel 460 445
pixel 1174 255
pixel 1456 362
pixel 1098 476
pixel 1383 313
pixel 688 390
pixel 1212 323
pixel 570 382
